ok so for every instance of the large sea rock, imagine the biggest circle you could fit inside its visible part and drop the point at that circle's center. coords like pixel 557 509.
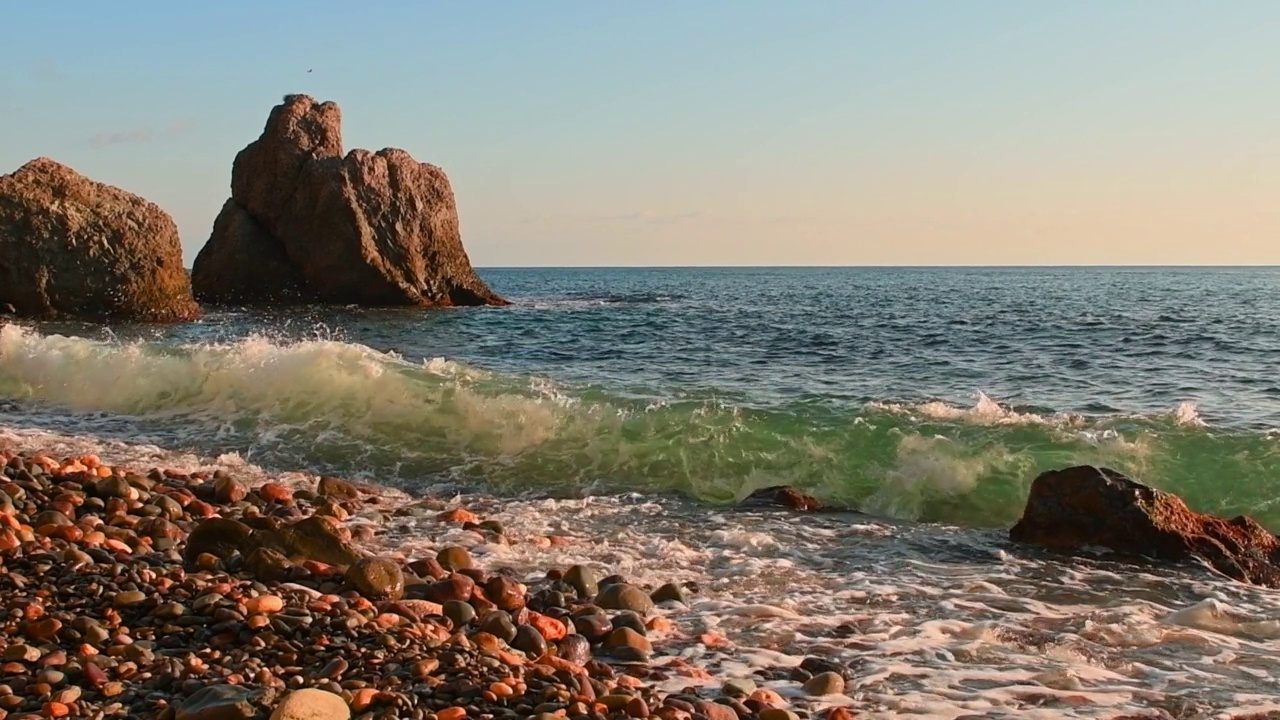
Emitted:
pixel 306 223
pixel 73 247
pixel 1084 506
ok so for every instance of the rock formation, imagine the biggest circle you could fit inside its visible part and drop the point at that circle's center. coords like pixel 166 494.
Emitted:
pixel 73 247
pixel 306 223
pixel 1095 507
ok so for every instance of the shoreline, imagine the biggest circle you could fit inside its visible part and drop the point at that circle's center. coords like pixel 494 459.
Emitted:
pixel 140 624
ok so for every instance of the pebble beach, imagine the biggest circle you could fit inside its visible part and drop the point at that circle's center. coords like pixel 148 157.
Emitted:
pixel 162 594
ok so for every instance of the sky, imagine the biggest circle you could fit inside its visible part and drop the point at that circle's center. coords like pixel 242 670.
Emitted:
pixel 717 132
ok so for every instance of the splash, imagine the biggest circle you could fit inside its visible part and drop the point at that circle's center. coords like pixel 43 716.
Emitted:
pixel 342 407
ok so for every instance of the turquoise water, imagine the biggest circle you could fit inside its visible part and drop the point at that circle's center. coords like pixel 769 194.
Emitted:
pixel 927 394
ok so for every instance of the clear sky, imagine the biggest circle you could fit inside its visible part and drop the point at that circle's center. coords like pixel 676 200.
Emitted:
pixel 716 132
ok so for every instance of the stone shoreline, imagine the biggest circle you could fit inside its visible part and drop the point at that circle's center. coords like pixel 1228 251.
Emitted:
pixel 164 594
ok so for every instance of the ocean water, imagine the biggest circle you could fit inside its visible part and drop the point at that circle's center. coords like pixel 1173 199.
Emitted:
pixel 629 408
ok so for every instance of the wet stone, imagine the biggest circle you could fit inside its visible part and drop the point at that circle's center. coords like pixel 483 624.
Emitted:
pixel 670 592
pixel 622 596
pixel 459 612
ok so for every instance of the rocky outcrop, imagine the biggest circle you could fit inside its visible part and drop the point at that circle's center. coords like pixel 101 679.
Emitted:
pixel 783 496
pixel 70 246
pixel 1084 506
pixel 306 223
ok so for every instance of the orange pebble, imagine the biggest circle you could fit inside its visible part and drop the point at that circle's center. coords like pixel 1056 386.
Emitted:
pixel 89 460
pixel 117 546
pixel 55 710
pixel 264 604
pixel 714 640
pixel 451 713
pixel 104 471
pixel 458 515
pixel 361 699
pixel 839 713
pixel 769 698
pixel 549 627
pixel 501 689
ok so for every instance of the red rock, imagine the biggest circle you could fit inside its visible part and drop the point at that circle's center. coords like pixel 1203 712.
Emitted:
pixel 455 587
pixel 276 493
pixel 428 568
pixel 840 713
pixel 1096 507
pixel 45 629
pixel 550 628
pixel 716 711
pixel 94 674
pixel 306 222
pixel 785 496
pixel 228 490
pixel 505 593
pixel 91 250
pixel 458 515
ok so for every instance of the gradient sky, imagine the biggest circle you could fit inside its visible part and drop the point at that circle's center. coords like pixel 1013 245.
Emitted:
pixel 717 132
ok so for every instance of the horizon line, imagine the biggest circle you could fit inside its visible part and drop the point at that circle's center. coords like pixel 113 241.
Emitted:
pixel 1185 266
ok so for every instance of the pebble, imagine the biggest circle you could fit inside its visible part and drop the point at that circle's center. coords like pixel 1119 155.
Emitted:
pixel 622 596
pixel 459 612
pixel 827 683
pixel 582 579
pixel 311 704
pixel 191 597
pixel 455 558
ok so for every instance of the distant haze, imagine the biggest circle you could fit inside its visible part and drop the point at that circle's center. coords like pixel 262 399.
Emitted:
pixel 724 132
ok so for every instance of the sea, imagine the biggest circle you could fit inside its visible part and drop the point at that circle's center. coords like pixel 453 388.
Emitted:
pixel 631 409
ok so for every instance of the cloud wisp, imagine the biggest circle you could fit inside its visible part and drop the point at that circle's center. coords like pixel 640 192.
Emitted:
pixel 140 135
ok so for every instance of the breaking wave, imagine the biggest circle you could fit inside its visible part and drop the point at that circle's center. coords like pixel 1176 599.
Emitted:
pixel 341 407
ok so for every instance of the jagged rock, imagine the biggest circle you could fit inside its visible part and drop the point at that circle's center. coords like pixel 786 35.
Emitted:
pixel 217 536
pixel 785 496
pixel 1086 506
pixel 70 246
pixel 307 223
pixel 313 538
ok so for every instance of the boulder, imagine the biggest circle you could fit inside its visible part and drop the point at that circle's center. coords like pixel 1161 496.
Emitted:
pixel 784 496
pixel 311 704
pixel 73 247
pixel 313 538
pixel 1084 506
pixel 306 223
pixel 377 578
pixel 217 536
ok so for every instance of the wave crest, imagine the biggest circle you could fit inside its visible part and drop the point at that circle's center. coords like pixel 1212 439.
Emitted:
pixel 341 407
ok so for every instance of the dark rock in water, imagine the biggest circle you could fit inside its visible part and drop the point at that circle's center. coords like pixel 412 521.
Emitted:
pixel 71 246
pixel 217 536
pixel 455 558
pixel 377 578
pixel 669 592
pixel 582 579
pixel 331 487
pixel 621 596
pixel 784 496
pixel 218 702
pixel 307 223
pixel 1087 506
